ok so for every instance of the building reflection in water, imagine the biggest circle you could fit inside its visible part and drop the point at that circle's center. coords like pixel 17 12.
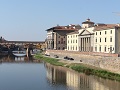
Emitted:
pixel 55 75
pixel 79 81
pixel 12 58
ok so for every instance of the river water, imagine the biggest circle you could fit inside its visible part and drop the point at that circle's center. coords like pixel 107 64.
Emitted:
pixel 21 73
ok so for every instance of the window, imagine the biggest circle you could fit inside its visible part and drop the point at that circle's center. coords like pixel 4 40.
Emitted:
pixel 96 48
pixel 110 39
pixel 68 47
pixel 76 47
pixel 71 36
pixel 58 36
pixel 58 42
pixel 64 36
pixel 68 36
pixel 59 48
pixel 105 49
pixel 100 48
pixel 111 32
pixel 111 48
pixel 76 35
pixel 96 33
pixel 100 33
pixel 105 32
pixel 64 42
pixel 68 41
pixel 61 40
pixel 73 47
pixel 96 40
pixel 100 39
pixel 76 41
pixel 71 41
pixel 105 39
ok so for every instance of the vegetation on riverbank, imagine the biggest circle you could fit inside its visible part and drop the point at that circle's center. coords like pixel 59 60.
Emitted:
pixel 98 72
pixel 81 68
pixel 52 61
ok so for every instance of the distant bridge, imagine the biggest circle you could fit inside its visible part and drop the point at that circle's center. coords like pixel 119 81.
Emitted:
pixel 7 47
pixel 37 44
pixel 22 42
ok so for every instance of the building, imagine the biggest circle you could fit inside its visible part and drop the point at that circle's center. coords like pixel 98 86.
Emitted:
pixel 2 39
pixel 86 36
pixel 81 40
pixel 72 41
pixel 106 38
pixel 57 36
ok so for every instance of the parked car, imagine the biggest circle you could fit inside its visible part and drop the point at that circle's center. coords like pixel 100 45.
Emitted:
pixel 70 59
pixel 66 57
pixel 56 56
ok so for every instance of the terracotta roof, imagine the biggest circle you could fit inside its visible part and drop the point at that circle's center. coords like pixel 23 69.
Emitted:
pixel 68 27
pixel 75 32
pixel 104 27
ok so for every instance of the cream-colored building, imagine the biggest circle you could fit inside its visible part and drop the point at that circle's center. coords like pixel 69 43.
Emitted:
pixel 72 41
pixel 107 38
pixel 103 38
pixel 81 40
pixel 86 36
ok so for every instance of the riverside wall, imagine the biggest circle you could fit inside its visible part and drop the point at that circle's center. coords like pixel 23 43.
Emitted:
pixel 109 62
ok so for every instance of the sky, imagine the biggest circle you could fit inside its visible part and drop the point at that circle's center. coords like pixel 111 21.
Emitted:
pixel 28 20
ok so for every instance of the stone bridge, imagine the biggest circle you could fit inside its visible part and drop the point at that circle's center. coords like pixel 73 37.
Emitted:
pixel 25 44
pixel 7 47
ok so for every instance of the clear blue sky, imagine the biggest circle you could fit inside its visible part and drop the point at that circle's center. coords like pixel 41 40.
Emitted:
pixel 27 20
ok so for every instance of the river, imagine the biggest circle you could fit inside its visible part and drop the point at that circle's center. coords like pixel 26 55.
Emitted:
pixel 21 73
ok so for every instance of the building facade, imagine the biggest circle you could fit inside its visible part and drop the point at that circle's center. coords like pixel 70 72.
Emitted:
pixel 107 38
pixel 72 41
pixel 81 40
pixel 86 36
pixel 102 38
pixel 57 36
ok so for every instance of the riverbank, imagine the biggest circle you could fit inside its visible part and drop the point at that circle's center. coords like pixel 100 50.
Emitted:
pixel 80 67
pixel 109 63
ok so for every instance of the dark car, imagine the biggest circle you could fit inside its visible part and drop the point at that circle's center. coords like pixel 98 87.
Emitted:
pixel 66 57
pixel 56 56
pixel 70 59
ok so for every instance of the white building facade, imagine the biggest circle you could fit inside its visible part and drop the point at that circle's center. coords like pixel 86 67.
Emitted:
pixel 83 39
pixel 86 36
pixel 106 39
pixel 103 38
pixel 72 41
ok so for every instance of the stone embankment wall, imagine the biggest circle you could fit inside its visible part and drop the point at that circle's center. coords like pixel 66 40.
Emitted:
pixel 111 63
